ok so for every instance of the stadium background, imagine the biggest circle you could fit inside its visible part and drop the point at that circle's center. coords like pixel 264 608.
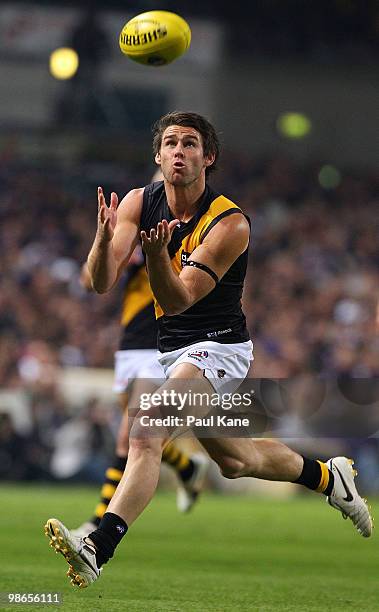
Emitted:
pixel 310 182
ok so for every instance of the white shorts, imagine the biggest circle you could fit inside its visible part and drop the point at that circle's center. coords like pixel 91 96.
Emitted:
pixel 225 365
pixel 135 363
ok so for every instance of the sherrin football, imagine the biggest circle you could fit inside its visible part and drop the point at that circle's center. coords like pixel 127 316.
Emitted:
pixel 155 38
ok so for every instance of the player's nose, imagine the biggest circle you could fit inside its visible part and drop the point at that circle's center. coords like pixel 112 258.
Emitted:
pixel 178 151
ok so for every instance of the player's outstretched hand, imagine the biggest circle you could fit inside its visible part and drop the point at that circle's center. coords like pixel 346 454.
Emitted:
pixel 107 215
pixel 158 239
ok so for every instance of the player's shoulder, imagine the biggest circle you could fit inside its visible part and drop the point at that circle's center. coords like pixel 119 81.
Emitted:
pixel 133 195
pixel 130 206
pixel 229 219
pixel 233 225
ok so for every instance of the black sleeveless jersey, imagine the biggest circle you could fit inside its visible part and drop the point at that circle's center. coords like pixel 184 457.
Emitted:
pixel 138 323
pixel 218 316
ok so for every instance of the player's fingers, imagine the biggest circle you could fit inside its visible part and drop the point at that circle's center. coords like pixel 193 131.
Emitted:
pixel 159 232
pixel 152 235
pixel 114 200
pixel 100 197
pixel 102 209
pixel 144 238
pixel 173 224
pixel 166 231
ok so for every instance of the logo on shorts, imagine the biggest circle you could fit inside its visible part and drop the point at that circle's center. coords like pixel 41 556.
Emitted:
pixel 198 355
pixel 221 373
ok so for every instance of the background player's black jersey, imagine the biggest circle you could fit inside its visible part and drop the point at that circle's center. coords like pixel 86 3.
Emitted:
pixel 218 316
pixel 139 327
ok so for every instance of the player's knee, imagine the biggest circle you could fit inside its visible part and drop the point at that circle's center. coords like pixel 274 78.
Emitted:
pixel 142 440
pixel 231 467
pixel 143 445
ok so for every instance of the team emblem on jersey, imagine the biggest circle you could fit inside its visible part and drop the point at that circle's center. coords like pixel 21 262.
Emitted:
pixel 197 354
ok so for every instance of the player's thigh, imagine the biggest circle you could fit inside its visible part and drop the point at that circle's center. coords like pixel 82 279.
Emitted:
pixel 185 392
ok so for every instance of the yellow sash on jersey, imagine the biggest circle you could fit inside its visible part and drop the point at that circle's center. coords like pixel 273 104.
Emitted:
pixel 138 295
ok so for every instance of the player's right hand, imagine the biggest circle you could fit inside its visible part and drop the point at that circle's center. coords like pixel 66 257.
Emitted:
pixel 107 215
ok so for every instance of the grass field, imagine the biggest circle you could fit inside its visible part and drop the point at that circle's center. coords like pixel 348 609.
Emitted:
pixel 230 554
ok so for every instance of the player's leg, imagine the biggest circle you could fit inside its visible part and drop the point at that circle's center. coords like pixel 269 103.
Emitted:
pixel 140 479
pixel 191 469
pixel 113 473
pixel 273 460
pixel 125 370
pixel 138 483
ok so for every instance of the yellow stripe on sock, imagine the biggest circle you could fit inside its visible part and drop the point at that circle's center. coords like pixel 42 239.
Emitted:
pixel 183 463
pixel 100 510
pixel 175 457
pixel 108 491
pixel 170 454
pixel 114 474
pixel 324 477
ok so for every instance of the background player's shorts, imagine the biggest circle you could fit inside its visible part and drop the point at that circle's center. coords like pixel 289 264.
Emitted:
pixel 225 365
pixel 136 363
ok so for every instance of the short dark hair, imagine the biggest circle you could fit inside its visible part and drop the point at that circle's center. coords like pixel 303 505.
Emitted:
pixel 211 143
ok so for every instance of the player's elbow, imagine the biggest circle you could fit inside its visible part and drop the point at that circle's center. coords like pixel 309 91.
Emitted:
pixel 181 301
pixel 176 307
pixel 102 284
pixel 100 288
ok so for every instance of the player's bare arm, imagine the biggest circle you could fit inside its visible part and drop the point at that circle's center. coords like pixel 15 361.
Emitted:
pixel 85 278
pixel 116 237
pixel 222 246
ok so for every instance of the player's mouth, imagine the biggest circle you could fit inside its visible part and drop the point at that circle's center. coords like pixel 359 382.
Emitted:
pixel 178 165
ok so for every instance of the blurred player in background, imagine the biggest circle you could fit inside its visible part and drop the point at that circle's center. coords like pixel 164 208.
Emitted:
pixel 137 370
pixel 195 242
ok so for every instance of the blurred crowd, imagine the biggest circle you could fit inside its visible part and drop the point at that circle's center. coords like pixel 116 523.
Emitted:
pixel 56 444
pixel 310 299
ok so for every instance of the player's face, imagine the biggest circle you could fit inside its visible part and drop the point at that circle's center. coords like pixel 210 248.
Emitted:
pixel 181 156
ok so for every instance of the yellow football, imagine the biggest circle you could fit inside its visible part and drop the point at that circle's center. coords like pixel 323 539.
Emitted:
pixel 155 38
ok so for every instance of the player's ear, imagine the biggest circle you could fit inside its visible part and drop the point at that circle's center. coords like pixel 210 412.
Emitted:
pixel 158 159
pixel 208 161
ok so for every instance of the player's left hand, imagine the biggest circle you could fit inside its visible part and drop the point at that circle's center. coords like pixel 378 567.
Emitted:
pixel 158 239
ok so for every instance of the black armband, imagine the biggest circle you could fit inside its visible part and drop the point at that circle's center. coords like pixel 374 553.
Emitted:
pixel 197 264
